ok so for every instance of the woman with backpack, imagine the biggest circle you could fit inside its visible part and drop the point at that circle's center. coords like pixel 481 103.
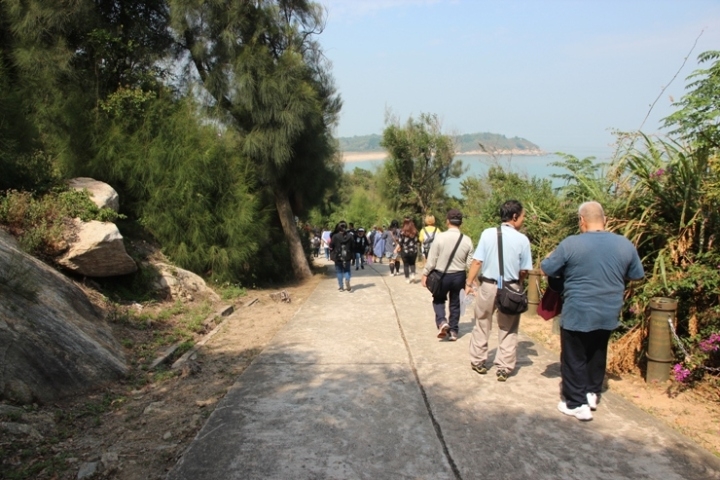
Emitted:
pixel 408 248
pixel 427 235
pixel 341 253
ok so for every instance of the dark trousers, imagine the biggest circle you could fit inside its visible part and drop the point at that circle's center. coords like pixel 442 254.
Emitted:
pixel 409 264
pixel 452 283
pixel 583 357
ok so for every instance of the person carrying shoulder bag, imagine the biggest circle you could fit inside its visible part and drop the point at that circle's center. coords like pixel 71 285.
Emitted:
pixel 517 260
pixel 451 252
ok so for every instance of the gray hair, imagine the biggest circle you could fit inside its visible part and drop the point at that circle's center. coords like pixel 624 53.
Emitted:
pixel 591 212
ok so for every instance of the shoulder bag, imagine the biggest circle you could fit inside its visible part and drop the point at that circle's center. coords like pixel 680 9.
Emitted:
pixel 434 278
pixel 508 300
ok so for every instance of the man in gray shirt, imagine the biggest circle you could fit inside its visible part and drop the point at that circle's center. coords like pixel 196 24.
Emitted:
pixel 454 279
pixel 595 265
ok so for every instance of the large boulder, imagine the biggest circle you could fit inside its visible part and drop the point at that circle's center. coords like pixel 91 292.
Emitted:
pixel 101 193
pixel 96 250
pixel 181 284
pixel 53 341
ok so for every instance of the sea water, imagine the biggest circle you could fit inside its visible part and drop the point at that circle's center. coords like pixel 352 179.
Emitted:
pixel 540 166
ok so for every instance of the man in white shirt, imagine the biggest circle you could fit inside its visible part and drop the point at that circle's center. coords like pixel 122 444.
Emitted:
pixel 517 260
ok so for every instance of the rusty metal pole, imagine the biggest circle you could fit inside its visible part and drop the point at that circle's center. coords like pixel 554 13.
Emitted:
pixel 659 353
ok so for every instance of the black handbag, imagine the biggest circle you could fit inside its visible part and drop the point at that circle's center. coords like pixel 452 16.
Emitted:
pixel 433 282
pixel 508 300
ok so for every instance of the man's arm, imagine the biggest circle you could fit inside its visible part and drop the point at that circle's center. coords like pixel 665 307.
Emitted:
pixel 475 269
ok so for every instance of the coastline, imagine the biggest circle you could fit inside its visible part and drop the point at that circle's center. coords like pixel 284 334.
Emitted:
pixel 349 157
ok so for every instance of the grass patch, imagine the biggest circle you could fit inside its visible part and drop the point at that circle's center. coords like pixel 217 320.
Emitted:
pixel 231 291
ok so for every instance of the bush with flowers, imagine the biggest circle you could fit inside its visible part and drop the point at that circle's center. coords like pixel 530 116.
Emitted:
pixel 703 357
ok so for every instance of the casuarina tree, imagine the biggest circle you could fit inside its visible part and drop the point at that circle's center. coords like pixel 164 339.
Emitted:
pixel 264 70
pixel 420 162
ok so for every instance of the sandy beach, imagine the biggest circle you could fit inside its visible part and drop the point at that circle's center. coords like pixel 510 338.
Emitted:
pixel 362 156
pixel 349 157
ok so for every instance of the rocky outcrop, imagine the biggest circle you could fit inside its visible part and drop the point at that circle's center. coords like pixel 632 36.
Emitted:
pixel 101 193
pixel 53 341
pixel 96 250
pixel 181 284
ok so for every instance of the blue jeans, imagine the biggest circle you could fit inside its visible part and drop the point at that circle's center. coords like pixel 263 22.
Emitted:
pixel 359 259
pixel 452 283
pixel 327 253
pixel 342 269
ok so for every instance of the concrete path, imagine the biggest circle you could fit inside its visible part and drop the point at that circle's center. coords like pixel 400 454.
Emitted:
pixel 357 386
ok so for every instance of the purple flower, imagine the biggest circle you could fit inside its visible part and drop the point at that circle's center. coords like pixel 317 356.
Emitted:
pixel 681 373
pixel 710 344
pixel 658 173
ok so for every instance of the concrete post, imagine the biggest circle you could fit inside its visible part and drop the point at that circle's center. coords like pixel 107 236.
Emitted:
pixel 533 290
pixel 659 353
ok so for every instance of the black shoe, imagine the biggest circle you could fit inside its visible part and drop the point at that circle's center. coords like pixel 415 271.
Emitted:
pixel 502 375
pixel 356 269
pixel 341 289
pixel 362 266
pixel 481 369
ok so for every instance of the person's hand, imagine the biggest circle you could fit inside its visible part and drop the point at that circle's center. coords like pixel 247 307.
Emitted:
pixel 423 280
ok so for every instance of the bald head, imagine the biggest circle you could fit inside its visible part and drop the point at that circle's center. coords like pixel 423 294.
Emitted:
pixel 592 214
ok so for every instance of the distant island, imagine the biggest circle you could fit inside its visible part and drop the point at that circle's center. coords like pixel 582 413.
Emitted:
pixel 367 147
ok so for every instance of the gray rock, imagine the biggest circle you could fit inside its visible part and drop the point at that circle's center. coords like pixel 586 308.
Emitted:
pixel 10 411
pixel 96 250
pixel 20 430
pixel 153 407
pixel 108 459
pixel 87 470
pixel 181 284
pixel 102 194
pixel 53 341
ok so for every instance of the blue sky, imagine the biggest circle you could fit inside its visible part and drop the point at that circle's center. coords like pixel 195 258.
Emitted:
pixel 561 73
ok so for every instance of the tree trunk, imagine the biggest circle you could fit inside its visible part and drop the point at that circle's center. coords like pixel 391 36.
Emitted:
pixel 299 261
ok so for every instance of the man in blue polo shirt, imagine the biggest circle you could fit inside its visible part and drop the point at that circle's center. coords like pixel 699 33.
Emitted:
pixel 517 260
pixel 595 264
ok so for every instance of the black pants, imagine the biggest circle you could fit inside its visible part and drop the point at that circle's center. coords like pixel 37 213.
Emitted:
pixel 452 283
pixel 409 264
pixel 583 357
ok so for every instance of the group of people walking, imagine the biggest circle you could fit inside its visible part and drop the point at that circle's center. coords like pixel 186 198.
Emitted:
pixel 347 246
pixel 594 266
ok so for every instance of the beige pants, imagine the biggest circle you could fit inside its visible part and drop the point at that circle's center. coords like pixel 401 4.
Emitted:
pixel 506 355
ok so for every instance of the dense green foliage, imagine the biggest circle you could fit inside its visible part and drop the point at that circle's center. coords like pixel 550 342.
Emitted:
pixel 211 119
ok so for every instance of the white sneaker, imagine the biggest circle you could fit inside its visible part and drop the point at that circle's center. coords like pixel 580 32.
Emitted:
pixel 581 413
pixel 407 280
pixel 593 399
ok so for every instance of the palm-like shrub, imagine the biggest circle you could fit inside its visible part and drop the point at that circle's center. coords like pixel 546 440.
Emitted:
pixel 667 206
